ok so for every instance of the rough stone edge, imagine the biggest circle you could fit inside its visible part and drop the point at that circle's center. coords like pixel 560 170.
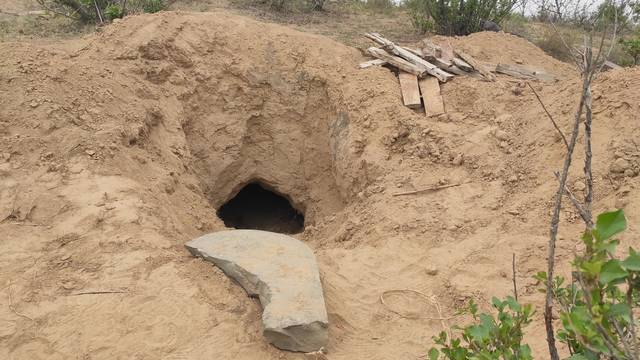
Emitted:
pixel 279 337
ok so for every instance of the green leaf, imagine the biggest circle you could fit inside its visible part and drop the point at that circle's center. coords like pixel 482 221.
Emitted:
pixel 513 304
pixel 620 310
pixel 609 224
pixel 577 357
pixel 478 333
pixel 632 262
pixel 434 354
pixel 592 268
pixel 612 271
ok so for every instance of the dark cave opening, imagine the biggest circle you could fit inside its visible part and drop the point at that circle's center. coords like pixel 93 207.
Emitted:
pixel 256 207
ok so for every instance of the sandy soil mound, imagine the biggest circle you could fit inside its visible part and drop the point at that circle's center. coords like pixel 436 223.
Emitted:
pixel 118 148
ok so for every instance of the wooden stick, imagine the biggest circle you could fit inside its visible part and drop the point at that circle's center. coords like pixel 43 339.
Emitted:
pixel 433 188
pixel 100 292
pixel 555 125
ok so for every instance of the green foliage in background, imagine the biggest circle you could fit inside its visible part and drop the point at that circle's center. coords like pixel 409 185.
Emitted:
pixel 113 11
pixel 88 11
pixel 632 48
pixel 457 17
pixel 153 6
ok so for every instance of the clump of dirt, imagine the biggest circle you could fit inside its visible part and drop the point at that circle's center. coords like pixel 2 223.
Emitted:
pixel 120 147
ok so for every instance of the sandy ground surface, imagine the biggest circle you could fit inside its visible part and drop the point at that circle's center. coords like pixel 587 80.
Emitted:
pixel 118 148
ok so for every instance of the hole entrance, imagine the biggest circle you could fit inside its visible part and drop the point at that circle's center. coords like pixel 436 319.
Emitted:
pixel 258 208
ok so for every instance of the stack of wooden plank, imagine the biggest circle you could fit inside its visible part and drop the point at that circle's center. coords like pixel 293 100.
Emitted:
pixel 420 70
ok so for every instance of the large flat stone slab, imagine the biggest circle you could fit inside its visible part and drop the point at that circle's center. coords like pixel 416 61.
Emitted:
pixel 283 273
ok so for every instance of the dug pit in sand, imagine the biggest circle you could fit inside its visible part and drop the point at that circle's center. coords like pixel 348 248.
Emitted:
pixel 283 273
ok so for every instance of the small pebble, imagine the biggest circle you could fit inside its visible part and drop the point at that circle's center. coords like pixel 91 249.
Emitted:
pixel 432 270
pixel 501 135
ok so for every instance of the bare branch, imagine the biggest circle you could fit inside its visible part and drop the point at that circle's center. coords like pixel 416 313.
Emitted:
pixel 513 269
pixel 579 207
pixel 555 221
pixel 555 125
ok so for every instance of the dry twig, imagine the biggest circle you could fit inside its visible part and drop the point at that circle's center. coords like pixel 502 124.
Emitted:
pixel 555 125
pixel 433 188
pixel 513 269
pixel 100 292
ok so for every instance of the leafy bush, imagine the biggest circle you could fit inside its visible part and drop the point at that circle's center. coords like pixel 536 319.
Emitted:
pixel 597 308
pixel 489 338
pixel 113 11
pixel 632 48
pixel 153 6
pixel 457 17
pixel 85 10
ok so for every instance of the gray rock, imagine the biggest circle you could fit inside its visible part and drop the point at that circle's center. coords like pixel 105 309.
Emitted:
pixel 283 273
pixel 489 26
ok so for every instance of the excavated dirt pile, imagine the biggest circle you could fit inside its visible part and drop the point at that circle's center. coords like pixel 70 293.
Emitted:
pixel 118 148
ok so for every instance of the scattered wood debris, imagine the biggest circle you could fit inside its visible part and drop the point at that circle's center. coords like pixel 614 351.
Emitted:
pixel 422 69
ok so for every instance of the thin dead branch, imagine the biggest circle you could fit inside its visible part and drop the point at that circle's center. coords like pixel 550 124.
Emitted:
pixel 555 125
pixel 433 188
pixel 576 203
pixel 555 221
pixel 513 271
pixel 100 292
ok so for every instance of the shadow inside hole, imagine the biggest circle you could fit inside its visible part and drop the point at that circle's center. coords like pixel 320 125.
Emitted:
pixel 255 207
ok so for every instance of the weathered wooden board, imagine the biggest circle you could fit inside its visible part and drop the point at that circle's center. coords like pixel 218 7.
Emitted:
pixel 370 63
pixel 609 65
pixel 522 72
pixel 433 102
pixel 410 89
pixel 462 64
pixel 398 62
pixel 486 73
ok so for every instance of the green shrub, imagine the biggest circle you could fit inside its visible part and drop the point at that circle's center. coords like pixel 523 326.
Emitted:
pixel 597 308
pixel 113 11
pixel 153 6
pixel 632 48
pixel 85 10
pixel 458 17
pixel 489 338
